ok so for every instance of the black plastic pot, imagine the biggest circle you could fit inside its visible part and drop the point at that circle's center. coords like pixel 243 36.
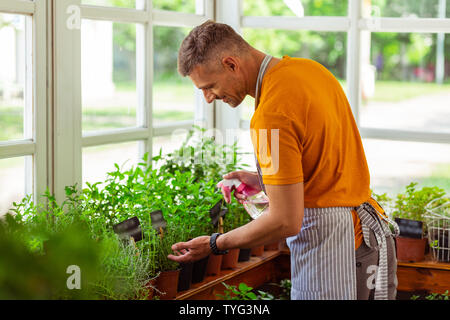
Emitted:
pixel 185 279
pixel 244 255
pixel 199 270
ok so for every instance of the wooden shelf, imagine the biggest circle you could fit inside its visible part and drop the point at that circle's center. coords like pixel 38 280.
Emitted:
pixel 427 263
pixel 272 266
pixel 427 275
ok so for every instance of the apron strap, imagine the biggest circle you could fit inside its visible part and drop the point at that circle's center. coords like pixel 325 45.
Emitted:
pixel 262 72
pixel 371 219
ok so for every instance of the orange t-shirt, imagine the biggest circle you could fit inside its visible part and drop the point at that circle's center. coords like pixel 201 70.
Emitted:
pixel 303 130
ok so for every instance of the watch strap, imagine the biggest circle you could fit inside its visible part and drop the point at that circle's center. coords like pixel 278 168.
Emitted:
pixel 213 245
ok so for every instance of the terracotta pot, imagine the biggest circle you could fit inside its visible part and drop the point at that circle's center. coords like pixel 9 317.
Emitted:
pixel 257 251
pixel 167 283
pixel 199 270
pixel 272 246
pixel 410 249
pixel 214 265
pixel 230 260
pixel 244 255
pixel 151 284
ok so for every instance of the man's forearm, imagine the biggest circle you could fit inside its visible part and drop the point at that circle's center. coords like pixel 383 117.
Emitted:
pixel 264 230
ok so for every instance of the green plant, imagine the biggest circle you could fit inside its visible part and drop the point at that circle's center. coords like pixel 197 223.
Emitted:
pixel 194 170
pixel 35 259
pixel 434 296
pixel 236 216
pixel 183 191
pixel 411 204
pixel 161 246
pixel 383 199
pixel 286 289
pixel 55 236
pixel 126 270
pixel 201 155
pixel 243 292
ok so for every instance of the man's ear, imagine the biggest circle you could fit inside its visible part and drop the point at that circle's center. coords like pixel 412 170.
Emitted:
pixel 230 63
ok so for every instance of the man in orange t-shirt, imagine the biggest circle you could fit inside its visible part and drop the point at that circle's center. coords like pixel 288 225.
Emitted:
pixel 311 165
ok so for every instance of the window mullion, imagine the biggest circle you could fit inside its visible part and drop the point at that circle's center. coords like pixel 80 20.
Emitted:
pixel 229 12
pixel 354 57
pixel 17 7
pixel 67 99
pixel 29 111
pixel 144 79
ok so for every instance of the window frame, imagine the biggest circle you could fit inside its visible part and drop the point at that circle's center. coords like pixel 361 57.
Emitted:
pixel 355 24
pixel 34 145
pixel 145 18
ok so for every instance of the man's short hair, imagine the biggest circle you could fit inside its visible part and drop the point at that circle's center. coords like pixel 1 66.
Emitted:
pixel 206 43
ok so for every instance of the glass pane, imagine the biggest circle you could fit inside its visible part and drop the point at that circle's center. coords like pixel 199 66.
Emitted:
pixel 408 86
pixel 99 160
pixel 295 8
pixel 187 6
pixel 395 164
pixel 108 75
pixel 173 95
pixel 169 143
pixel 408 8
pixel 12 76
pixel 247 155
pixel 111 3
pixel 12 182
pixel 327 48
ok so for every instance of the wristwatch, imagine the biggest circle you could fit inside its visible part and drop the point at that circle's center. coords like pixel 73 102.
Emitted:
pixel 213 245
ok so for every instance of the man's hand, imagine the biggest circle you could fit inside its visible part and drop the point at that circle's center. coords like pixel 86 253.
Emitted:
pixel 249 178
pixel 193 250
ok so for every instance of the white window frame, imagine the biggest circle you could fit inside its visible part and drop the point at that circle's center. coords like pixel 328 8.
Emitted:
pixel 34 145
pixel 69 140
pixel 355 24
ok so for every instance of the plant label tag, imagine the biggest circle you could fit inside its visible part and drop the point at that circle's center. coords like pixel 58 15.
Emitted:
pixel 217 212
pixel 158 222
pixel 129 228
pixel 410 228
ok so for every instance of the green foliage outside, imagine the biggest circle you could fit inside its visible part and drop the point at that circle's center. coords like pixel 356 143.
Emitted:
pixel 328 48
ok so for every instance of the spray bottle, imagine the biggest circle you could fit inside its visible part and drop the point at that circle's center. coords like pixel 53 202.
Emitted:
pixel 256 202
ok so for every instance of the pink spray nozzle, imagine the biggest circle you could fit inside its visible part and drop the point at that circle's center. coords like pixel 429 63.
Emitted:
pixel 229 185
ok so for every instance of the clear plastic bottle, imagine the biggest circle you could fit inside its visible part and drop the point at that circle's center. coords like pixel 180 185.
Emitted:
pixel 255 203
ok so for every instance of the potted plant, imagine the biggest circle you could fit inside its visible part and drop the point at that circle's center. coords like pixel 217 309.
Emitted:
pixel 57 236
pixel 409 211
pixel 198 166
pixel 169 271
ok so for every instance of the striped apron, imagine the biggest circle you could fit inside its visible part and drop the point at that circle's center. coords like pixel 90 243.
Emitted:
pixel 323 262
